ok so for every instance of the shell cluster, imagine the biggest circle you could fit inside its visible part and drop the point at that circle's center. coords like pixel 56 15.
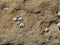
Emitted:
pixel 21 25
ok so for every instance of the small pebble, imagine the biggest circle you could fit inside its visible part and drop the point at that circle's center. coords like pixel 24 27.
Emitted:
pixel 15 19
pixel 47 29
pixel 21 25
pixel 20 19
pixel 58 14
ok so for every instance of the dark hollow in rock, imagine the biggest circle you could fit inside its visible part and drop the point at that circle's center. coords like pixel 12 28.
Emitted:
pixel 56 10
pixel 41 23
pixel 20 44
pixel 58 16
pixel 51 22
pixel 43 43
pixel 38 12
pixel 8 44
pixel 24 1
pixel 59 28
pixel 34 12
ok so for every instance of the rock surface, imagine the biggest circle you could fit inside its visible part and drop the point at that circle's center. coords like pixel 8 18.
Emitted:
pixel 38 15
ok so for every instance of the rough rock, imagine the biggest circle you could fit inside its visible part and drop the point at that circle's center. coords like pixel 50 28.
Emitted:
pixel 38 14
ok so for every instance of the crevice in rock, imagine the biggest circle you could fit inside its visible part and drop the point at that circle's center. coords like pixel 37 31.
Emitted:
pixel 8 44
pixel 24 1
pixel 34 12
pixel 51 22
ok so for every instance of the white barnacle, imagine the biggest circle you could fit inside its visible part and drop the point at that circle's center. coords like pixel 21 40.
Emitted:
pixel 46 29
pixel 21 25
pixel 5 8
pixel 20 19
pixel 58 14
pixel 58 24
pixel 15 19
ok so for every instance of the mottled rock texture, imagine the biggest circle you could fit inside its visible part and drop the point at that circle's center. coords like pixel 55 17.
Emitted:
pixel 38 15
